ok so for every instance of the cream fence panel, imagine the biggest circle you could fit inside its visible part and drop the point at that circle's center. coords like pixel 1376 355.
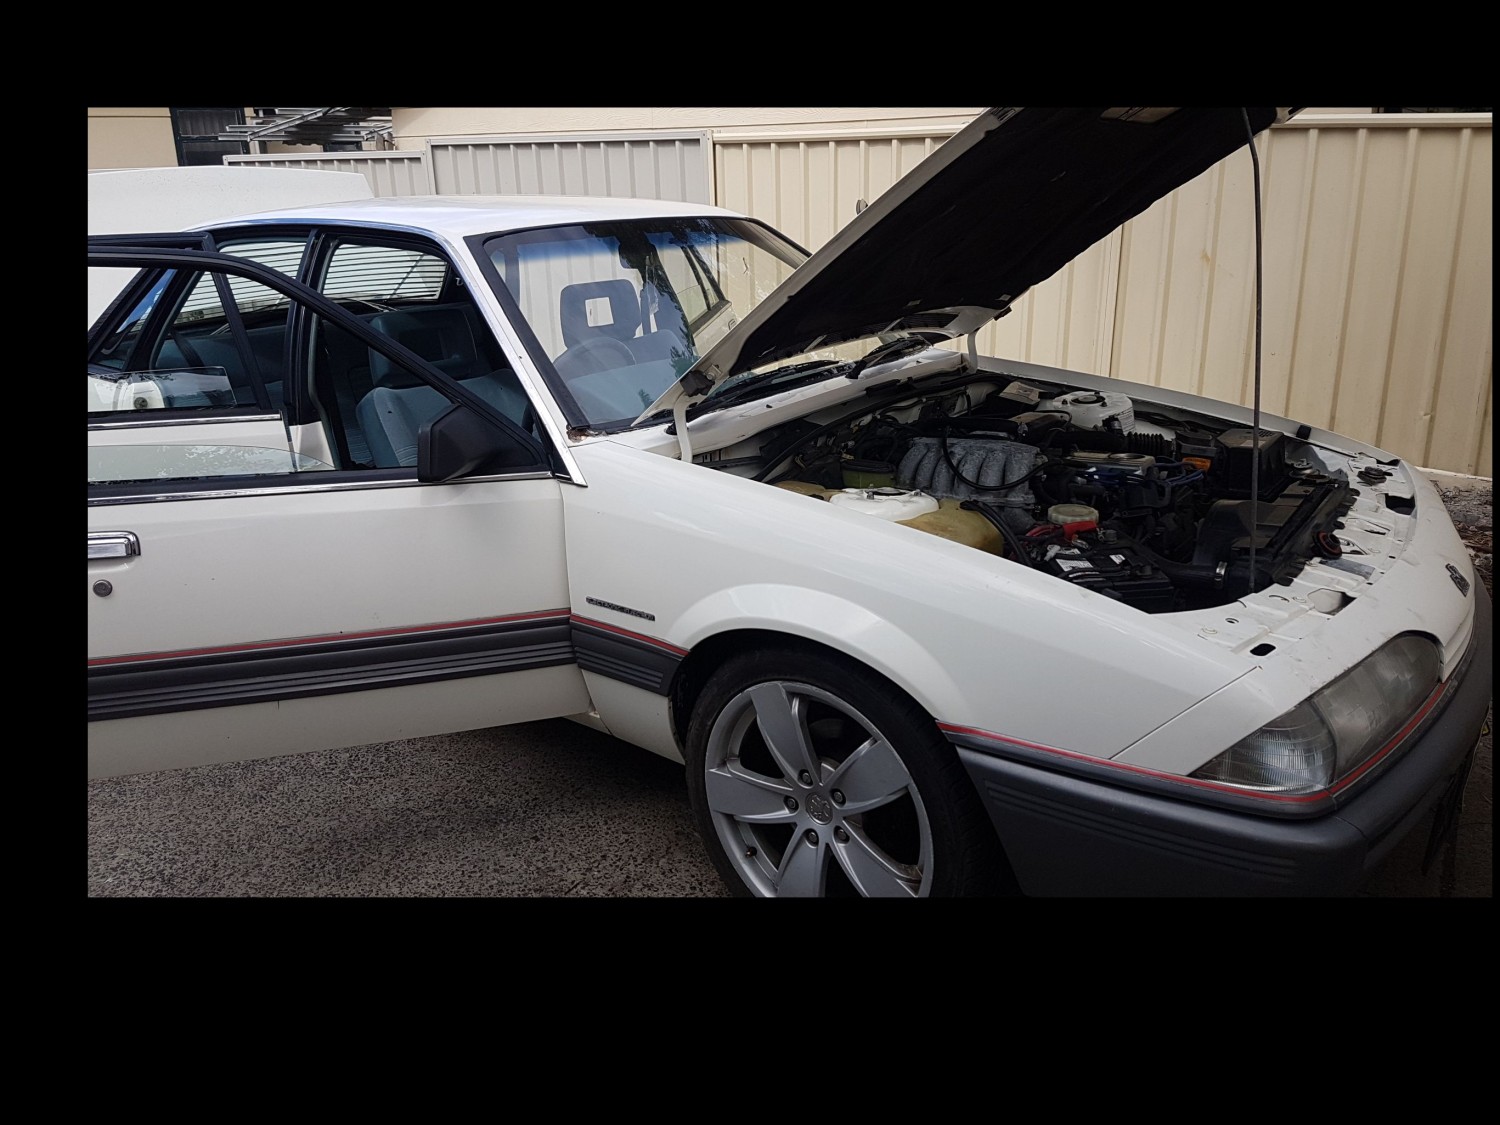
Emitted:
pixel 1378 286
pixel 659 165
pixel 388 173
pixel 808 185
pixel 1377 299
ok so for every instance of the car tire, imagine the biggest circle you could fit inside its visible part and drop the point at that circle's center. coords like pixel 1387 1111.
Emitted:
pixel 854 792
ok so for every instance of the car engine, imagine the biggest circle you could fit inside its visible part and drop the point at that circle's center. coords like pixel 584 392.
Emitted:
pixel 1151 508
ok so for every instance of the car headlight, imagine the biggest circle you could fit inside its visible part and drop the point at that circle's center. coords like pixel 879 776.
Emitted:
pixel 1330 734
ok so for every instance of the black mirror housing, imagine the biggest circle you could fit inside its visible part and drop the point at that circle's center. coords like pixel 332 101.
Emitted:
pixel 458 442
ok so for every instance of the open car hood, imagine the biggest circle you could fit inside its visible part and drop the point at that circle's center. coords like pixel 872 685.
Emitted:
pixel 1005 203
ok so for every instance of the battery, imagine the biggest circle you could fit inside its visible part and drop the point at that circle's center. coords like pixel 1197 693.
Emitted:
pixel 1116 570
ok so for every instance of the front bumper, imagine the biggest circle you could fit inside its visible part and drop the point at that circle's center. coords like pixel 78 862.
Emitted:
pixel 1070 835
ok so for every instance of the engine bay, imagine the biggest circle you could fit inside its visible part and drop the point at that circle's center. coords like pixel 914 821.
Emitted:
pixel 1162 509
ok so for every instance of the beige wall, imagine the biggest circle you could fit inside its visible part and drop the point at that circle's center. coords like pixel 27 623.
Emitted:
pixel 125 137
pixel 141 137
pixel 1378 287
pixel 412 127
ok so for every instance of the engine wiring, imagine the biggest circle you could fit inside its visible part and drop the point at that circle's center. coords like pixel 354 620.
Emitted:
pixel 1162 512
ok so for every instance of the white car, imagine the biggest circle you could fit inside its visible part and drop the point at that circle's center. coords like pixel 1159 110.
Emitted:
pixel 917 622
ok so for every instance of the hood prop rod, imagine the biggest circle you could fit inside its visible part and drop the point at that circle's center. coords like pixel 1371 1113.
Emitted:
pixel 679 423
pixel 1255 409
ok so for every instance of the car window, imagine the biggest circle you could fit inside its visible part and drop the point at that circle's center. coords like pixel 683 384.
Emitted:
pixel 121 464
pixel 178 349
pixel 620 310
pixel 694 281
pixel 374 407
pixel 203 303
pixel 118 345
pixel 384 275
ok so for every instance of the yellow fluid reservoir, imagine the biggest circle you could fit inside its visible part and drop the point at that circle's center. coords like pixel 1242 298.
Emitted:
pixel 802 486
pixel 869 474
pixel 968 528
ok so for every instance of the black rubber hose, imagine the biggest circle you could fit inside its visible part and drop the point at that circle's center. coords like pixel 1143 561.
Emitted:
pixel 1006 486
pixel 1096 490
pixel 1042 486
pixel 1189 574
pixel 1006 531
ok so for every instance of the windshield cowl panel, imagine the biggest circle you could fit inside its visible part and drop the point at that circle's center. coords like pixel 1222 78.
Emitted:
pixel 619 311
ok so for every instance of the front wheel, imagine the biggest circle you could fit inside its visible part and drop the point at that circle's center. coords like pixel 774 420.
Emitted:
pixel 812 777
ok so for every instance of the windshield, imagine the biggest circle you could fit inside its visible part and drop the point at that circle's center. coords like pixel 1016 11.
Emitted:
pixel 622 309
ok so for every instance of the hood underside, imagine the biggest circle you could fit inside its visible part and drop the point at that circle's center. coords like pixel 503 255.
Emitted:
pixel 1004 204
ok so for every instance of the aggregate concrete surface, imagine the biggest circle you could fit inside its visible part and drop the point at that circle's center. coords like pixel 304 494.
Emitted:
pixel 548 809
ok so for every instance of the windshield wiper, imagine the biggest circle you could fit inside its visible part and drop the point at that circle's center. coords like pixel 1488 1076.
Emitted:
pixel 895 349
pixel 850 369
pixel 731 392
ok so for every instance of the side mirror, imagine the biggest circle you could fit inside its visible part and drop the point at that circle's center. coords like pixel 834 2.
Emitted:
pixel 459 443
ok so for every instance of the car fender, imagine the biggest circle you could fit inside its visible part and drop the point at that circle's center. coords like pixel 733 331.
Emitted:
pixel 677 554
pixel 829 620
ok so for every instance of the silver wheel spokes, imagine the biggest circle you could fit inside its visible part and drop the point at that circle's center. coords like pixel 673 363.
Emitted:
pixel 790 804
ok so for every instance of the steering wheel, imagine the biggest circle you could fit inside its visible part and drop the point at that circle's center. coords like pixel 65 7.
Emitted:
pixel 592 355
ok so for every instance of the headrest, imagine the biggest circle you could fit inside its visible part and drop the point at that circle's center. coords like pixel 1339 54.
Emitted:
pixel 624 310
pixel 441 336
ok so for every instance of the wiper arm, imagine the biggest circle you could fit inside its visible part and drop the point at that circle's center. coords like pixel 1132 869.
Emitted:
pixel 737 390
pixel 906 345
pixel 732 392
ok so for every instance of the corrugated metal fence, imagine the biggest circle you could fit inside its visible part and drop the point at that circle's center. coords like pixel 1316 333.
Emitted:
pixel 1378 287
pixel 1378 229
pixel 656 166
pixel 389 173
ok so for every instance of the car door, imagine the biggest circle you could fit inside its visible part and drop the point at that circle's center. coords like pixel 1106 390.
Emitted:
pixel 249 598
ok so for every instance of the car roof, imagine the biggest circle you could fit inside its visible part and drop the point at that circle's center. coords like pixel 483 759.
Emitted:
pixel 459 216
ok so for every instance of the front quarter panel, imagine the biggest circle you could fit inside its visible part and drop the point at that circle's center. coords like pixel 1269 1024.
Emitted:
pixel 978 641
pixel 1416 594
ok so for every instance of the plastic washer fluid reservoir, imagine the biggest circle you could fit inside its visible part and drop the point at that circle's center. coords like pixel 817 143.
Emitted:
pixel 884 503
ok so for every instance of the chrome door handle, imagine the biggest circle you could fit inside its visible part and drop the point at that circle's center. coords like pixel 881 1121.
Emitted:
pixel 113 544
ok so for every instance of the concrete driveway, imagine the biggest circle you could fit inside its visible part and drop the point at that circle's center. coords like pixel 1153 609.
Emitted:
pixel 543 809
pixel 539 809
